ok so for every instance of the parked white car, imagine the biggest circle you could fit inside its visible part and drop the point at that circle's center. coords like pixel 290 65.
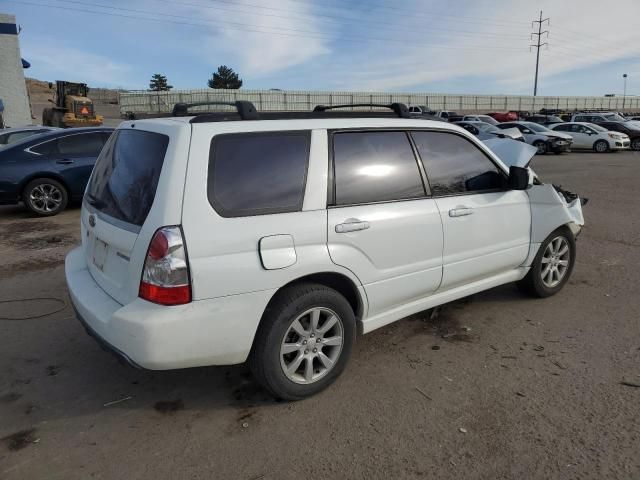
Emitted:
pixel 593 137
pixel 278 237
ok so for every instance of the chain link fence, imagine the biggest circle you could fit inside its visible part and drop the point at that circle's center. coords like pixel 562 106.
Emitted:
pixel 143 102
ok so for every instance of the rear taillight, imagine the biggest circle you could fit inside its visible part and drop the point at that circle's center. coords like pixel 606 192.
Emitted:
pixel 165 276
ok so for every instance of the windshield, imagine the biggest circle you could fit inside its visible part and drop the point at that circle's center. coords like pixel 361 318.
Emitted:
pixel 614 117
pixel 596 127
pixel 488 119
pixel 535 127
pixel 483 127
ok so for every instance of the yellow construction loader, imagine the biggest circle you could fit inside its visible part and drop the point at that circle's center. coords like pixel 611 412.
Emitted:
pixel 72 107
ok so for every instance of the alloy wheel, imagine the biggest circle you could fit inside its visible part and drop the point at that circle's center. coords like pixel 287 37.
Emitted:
pixel 555 262
pixel 45 198
pixel 312 345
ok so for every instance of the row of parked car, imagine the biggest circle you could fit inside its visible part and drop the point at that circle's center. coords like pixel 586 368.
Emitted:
pixel 550 131
pixel 46 167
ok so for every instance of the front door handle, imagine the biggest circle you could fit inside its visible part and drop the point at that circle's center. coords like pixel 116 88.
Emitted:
pixel 460 211
pixel 64 161
pixel 351 225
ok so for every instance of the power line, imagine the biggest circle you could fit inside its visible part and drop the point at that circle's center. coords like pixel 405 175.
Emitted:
pixel 342 20
pixel 538 45
pixel 428 15
pixel 243 26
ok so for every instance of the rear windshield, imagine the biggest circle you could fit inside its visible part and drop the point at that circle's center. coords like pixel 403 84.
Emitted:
pixel 125 177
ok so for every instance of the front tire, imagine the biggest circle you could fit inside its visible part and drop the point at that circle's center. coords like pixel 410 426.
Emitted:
pixel 304 341
pixel 601 146
pixel 541 146
pixel 45 197
pixel 635 144
pixel 552 266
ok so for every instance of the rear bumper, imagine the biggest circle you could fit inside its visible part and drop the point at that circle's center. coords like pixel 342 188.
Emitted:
pixel 216 331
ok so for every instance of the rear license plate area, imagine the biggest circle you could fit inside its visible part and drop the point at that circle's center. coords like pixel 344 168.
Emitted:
pixel 100 250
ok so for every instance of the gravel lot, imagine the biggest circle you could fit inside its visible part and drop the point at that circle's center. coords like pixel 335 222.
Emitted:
pixel 518 388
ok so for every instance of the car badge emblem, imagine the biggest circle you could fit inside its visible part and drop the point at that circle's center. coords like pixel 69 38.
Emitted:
pixel 92 220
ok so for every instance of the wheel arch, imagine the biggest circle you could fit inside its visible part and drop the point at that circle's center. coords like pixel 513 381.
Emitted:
pixel 339 282
pixel 47 175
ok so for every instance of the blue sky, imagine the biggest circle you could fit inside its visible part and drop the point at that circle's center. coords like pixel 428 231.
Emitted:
pixel 447 46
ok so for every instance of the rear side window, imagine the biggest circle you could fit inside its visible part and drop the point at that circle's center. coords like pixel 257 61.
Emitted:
pixel 456 166
pixel 77 145
pixel 374 167
pixel 125 177
pixel 81 145
pixel 258 173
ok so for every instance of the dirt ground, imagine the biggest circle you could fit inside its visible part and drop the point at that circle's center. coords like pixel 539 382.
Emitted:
pixel 497 386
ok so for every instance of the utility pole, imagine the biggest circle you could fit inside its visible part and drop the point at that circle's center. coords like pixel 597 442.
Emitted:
pixel 538 44
pixel 624 95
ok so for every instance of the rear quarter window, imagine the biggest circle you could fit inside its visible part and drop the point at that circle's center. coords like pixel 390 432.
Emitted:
pixel 258 173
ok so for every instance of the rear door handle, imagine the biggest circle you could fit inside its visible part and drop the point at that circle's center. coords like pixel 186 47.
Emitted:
pixel 351 225
pixel 64 161
pixel 460 211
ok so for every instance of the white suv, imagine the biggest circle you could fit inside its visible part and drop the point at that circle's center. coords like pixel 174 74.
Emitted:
pixel 278 237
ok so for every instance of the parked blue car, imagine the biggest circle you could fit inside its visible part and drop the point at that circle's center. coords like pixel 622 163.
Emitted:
pixel 47 170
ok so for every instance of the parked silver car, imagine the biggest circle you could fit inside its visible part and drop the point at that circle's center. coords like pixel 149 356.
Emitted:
pixel 541 137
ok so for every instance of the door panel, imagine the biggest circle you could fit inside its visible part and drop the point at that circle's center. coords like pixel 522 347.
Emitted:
pixel 398 257
pixel 580 137
pixel 486 228
pixel 490 236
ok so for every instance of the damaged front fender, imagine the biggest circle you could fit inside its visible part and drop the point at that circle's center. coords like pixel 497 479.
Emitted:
pixel 550 210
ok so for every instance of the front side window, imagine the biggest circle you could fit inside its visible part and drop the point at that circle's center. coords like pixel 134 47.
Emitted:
pixel 455 166
pixel 374 167
pixel 258 173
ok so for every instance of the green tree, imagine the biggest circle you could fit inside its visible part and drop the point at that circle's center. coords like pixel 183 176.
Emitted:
pixel 158 83
pixel 225 77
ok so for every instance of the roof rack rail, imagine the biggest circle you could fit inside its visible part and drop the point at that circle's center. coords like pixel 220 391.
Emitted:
pixel 245 109
pixel 400 109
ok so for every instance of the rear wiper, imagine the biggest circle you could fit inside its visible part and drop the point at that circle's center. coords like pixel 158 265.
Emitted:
pixel 96 202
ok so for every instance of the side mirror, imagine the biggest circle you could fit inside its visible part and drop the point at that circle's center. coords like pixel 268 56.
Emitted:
pixel 518 178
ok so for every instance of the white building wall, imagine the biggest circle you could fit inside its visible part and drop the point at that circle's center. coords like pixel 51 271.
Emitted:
pixel 13 90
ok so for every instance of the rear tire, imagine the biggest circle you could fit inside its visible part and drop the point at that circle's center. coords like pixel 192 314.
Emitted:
pixel 541 146
pixel 293 356
pixel 45 197
pixel 601 146
pixel 552 266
